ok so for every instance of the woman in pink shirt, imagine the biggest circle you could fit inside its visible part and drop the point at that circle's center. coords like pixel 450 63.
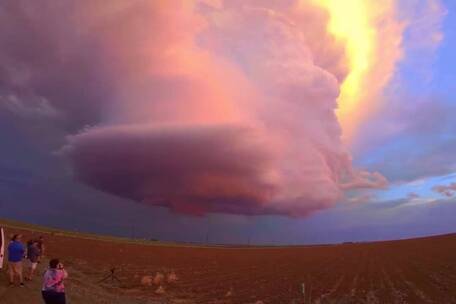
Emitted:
pixel 53 290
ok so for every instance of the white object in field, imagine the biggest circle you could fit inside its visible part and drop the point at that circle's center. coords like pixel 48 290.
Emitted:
pixel 2 246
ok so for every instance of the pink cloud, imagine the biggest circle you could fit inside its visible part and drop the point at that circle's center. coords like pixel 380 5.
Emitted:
pixel 446 190
pixel 238 117
pixel 413 195
pixel 199 107
pixel 188 168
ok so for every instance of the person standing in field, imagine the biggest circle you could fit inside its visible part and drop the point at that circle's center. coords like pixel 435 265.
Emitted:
pixel 41 247
pixel 33 254
pixel 16 252
pixel 53 290
pixel 2 246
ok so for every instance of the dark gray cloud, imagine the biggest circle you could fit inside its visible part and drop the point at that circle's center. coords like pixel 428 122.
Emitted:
pixel 55 60
pixel 192 170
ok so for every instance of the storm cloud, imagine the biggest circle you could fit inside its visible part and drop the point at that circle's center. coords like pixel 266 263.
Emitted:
pixel 199 107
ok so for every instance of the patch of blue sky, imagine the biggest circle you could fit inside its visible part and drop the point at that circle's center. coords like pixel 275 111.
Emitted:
pixel 395 145
pixel 443 77
pixel 421 187
pixel 437 76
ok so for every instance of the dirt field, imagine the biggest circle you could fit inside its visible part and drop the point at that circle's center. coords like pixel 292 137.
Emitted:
pixel 408 271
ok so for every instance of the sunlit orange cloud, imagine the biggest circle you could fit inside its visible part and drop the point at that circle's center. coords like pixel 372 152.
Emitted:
pixel 372 34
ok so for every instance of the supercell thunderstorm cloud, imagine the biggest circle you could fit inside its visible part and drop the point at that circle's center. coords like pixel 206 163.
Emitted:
pixel 203 106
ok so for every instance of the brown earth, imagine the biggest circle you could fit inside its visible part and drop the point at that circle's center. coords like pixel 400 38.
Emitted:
pixel 407 271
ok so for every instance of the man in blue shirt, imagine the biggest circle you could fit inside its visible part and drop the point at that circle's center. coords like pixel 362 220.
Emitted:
pixel 16 251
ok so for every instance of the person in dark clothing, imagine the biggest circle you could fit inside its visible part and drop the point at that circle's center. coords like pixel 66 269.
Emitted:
pixel 33 254
pixel 16 252
pixel 41 247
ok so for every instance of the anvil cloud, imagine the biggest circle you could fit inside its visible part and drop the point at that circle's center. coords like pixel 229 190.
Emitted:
pixel 199 107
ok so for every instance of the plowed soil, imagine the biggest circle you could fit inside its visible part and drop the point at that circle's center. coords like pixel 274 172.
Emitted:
pixel 407 271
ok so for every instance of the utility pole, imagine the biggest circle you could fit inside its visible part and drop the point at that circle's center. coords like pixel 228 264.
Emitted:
pixel 208 229
pixel 133 234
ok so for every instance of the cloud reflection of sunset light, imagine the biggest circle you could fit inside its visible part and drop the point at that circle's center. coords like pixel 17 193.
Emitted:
pixel 356 23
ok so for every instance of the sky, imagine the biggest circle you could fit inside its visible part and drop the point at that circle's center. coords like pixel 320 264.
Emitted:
pixel 261 122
